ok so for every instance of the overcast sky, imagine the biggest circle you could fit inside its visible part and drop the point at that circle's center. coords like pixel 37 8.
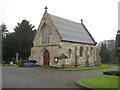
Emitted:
pixel 99 16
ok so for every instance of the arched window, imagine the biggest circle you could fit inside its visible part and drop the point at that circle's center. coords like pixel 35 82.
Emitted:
pixel 91 51
pixel 46 36
pixel 69 53
pixel 81 51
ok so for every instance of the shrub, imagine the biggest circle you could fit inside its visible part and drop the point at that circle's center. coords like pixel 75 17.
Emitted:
pixel 115 73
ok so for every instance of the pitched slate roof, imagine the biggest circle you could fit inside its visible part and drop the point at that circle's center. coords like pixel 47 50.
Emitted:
pixel 72 31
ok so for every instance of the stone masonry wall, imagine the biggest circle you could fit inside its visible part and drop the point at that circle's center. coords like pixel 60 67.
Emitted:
pixel 81 61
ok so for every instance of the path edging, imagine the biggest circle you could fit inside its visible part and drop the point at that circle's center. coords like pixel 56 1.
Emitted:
pixel 83 86
pixel 87 69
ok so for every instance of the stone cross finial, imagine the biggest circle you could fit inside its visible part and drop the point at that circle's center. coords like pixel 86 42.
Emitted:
pixel 45 8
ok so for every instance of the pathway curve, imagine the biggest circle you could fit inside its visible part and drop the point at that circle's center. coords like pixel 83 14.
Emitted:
pixel 41 77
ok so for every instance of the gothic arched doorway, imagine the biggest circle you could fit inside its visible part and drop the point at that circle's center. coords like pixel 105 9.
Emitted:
pixel 46 58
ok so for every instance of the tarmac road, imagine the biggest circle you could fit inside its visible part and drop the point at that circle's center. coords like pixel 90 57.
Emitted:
pixel 42 77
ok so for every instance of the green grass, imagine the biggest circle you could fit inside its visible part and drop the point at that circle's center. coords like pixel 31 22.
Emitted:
pixel 85 68
pixel 8 65
pixel 102 81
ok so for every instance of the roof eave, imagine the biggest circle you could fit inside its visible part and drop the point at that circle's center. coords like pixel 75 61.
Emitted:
pixel 79 42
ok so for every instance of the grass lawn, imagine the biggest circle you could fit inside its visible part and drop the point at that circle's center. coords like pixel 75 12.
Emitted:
pixel 84 68
pixel 8 65
pixel 101 81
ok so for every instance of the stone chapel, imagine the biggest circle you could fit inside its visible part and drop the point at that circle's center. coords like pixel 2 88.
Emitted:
pixel 63 43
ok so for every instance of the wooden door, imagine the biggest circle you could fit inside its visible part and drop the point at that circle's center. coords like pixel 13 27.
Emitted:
pixel 46 57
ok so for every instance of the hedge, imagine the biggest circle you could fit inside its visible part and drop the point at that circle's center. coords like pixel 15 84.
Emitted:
pixel 115 73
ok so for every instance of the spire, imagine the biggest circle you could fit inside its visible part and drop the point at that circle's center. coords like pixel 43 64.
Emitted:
pixel 45 8
pixel 81 21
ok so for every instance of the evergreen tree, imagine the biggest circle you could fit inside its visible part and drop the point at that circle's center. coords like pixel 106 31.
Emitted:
pixel 8 48
pixel 8 45
pixel 24 34
pixel 117 46
pixel 4 30
pixel 111 50
pixel 104 54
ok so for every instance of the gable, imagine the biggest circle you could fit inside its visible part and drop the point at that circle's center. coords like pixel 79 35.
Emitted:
pixel 46 33
pixel 72 31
